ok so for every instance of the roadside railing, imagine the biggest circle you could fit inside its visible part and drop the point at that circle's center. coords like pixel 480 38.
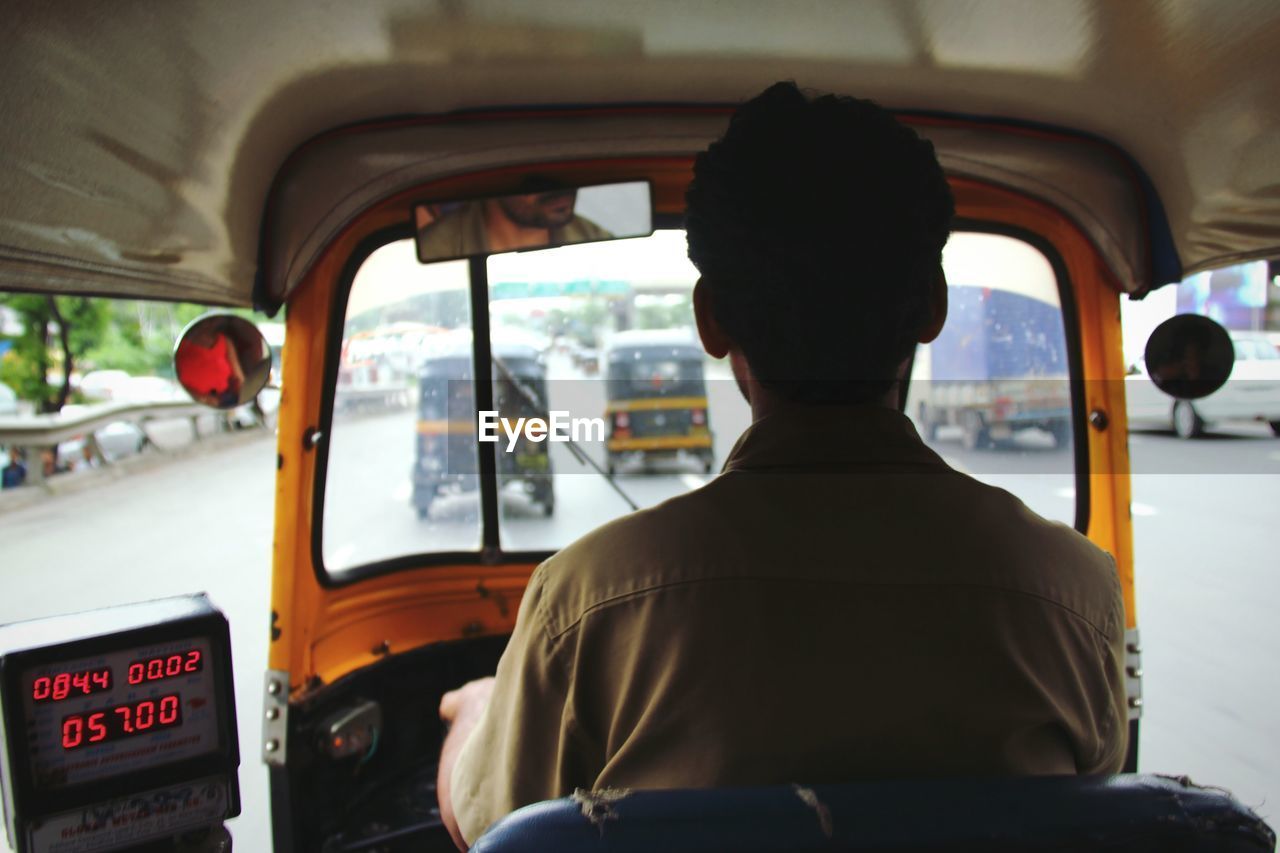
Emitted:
pixel 34 434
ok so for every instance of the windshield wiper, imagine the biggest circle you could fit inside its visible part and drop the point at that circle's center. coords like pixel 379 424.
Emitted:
pixel 531 398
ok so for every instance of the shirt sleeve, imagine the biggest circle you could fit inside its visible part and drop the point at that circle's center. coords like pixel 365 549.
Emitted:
pixel 519 751
pixel 1113 705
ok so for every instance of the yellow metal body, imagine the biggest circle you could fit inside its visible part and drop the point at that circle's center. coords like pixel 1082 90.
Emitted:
pixel 324 631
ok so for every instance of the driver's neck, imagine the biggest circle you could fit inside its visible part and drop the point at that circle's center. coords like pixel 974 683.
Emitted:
pixel 505 235
pixel 765 402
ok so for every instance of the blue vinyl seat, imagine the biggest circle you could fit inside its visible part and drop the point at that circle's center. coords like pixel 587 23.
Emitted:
pixel 1115 813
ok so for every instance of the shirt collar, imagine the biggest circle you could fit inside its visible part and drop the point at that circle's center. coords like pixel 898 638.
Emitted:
pixel 823 438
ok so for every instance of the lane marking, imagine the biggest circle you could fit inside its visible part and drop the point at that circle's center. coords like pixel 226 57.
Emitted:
pixel 693 481
pixel 1142 510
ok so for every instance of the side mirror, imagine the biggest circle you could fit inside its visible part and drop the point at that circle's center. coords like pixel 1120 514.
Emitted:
pixel 1189 356
pixel 222 360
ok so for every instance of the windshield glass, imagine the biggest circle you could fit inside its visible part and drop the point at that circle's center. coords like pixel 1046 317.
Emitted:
pixel 402 411
pixel 601 400
pixel 992 394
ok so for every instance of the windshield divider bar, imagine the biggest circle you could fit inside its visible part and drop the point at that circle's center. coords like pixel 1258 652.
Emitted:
pixel 482 359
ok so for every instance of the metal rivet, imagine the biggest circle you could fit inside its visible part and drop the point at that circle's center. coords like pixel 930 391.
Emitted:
pixel 273 687
pixel 272 745
pixel 1098 420
pixel 1134 649
pixel 273 713
pixel 1134 672
pixel 1135 702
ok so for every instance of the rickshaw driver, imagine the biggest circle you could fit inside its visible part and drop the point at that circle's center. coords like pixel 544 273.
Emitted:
pixel 529 220
pixel 838 604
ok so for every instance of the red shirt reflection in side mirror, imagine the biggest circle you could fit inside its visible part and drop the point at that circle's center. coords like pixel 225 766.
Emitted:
pixel 209 372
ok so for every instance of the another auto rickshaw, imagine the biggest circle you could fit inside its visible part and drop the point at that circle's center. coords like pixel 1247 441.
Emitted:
pixel 445 459
pixel 657 398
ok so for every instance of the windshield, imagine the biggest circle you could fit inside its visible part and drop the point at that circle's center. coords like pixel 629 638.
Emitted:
pixel 600 399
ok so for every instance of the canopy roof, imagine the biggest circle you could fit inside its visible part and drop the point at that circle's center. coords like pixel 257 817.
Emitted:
pixel 141 141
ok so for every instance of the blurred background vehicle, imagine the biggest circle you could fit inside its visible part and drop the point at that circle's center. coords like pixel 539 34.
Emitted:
pixel 103 384
pixel 116 440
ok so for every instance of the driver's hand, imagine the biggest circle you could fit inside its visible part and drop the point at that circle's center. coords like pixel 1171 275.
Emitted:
pixel 468 699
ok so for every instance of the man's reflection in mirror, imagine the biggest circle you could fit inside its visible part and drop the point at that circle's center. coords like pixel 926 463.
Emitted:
pixel 526 221
pixel 1189 365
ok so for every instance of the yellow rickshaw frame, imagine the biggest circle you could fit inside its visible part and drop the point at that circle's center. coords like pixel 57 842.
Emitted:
pixel 323 629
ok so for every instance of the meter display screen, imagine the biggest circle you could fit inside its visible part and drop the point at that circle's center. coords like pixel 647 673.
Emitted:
pixel 120 712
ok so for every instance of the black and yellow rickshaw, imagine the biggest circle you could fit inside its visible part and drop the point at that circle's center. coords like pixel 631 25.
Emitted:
pixel 445 455
pixel 657 398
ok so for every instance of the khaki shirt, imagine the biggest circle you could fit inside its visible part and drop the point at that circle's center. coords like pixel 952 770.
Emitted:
pixel 463 233
pixel 837 605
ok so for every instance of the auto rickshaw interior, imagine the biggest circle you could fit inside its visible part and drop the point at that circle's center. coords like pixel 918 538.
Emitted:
pixel 388 639
pixel 403 544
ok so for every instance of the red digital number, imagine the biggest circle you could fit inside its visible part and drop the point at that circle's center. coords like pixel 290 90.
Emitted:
pixel 55 688
pixel 121 721
pixel 169 666
pixel 72 732
pixel 145 715
pixel 97 730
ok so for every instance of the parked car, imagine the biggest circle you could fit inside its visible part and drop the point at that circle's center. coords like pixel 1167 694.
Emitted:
pixel 116 440
pixel 1251 394
pixel 103 384
pixel 147 389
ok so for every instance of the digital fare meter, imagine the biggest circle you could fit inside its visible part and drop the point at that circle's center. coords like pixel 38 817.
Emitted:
pixel 118 726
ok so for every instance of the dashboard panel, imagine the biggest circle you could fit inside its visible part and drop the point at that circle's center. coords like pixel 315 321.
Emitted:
pixel 383 797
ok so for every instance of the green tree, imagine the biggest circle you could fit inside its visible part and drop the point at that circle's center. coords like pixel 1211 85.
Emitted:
pixel 57 331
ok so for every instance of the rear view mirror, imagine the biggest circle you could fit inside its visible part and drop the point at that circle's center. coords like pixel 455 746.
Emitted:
pixel 222 360
pixel 1189 356
pixel 552 216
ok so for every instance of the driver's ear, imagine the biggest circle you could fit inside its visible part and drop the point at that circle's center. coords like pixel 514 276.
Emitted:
pixel 937 308
pixel 714 340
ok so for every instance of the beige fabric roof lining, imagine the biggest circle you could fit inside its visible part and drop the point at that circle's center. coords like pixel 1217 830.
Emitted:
pixel 140 140
pixel 345 173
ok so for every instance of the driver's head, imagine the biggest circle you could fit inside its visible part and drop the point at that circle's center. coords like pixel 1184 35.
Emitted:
pixel 551 209
pixel 818 226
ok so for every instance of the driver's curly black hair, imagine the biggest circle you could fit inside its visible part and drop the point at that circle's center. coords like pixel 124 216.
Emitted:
pixel 818 226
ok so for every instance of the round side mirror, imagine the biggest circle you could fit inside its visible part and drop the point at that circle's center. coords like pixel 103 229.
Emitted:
pixel 1189 356
pixel 222 360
